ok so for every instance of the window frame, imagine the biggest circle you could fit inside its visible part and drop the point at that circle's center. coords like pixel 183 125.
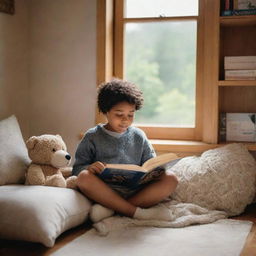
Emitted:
pixel 111 12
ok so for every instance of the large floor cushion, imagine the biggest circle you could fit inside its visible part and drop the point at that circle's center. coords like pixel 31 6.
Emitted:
pixel 14 158
pixel 40 213
pixel 220 179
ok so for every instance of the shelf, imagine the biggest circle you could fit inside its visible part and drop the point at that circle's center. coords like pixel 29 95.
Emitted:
pixel 237 83
pixel 247 20
pixel 183 148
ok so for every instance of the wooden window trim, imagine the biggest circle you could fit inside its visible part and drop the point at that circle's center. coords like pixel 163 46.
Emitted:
pixel 105 21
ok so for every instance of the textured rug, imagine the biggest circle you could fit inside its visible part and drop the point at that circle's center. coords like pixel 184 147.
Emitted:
pixel 224 237
pixel 183 214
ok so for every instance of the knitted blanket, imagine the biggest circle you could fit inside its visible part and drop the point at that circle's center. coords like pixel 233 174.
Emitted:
pixel 218 184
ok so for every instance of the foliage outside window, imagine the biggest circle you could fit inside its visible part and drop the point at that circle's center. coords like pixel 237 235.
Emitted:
pixel 160 57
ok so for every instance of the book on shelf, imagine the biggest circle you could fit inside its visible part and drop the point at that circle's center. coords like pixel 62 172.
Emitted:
pixel 240 62
pixel 244 12
pixel 240 74
pixel 244 4
pixel 238 7
pixel 227 7
pixel 128 177
pixel 238 127
pixel 222 127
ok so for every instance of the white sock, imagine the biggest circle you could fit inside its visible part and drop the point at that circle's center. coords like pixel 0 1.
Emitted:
pixel 154 213
pixel 99 212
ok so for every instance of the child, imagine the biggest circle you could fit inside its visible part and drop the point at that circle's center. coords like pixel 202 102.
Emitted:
pixel 119 142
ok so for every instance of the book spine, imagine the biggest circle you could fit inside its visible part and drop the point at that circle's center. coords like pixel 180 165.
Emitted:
pixel 238 7
pixel 244 12
pixel 239 78
pixel 240 74
pixel 240 62
pixel 222 127
pixel 227 8
pixel 243 72
pixel 235 4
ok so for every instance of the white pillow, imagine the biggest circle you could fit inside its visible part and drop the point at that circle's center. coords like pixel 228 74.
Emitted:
pixel 220 179
pixel 40 213
pixel 13 152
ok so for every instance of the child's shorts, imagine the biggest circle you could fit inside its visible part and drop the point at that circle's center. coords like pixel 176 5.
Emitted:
pixel 126 192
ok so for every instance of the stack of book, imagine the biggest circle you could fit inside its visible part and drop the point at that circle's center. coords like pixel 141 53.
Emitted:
pixel 238 127
pixel 238 7
pixel 240 67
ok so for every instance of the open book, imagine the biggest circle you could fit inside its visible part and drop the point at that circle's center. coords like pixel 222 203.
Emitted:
pixel 128 177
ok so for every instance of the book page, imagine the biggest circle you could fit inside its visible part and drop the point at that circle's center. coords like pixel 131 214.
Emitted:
pixel 129 167
pixel 159 160
pixel 148 165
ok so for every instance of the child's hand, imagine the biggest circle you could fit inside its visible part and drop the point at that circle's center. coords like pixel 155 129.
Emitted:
pixel 96 167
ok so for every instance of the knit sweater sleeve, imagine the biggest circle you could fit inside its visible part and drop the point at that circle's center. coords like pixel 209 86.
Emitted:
pixel 84 155
pixel 148 150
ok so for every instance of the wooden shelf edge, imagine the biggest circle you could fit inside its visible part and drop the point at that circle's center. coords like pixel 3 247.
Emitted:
pixel 238 20
pixel 191 147
pixel 243 83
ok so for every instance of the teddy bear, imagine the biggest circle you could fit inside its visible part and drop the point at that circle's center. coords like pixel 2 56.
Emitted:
pixel 49 162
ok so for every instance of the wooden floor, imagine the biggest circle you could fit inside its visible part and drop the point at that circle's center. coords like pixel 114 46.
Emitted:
pixel 250 245
pixel 14 248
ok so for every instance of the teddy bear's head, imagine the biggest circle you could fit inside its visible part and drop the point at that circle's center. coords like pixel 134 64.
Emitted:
pixel 48 149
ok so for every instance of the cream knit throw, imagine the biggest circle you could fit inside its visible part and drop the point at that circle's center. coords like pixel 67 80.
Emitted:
pixel 218 184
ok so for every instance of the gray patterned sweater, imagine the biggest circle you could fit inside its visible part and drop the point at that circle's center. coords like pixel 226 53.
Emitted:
pixel 132 147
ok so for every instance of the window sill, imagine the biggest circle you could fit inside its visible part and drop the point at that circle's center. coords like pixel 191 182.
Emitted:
pixel 183 148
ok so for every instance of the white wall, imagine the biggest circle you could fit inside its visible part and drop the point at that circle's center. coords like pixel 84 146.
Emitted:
pixel 62 68
pixel 14 65
pixel 48 67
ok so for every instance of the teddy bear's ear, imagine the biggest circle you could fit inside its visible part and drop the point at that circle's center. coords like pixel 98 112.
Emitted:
pixel 58 136
pixel 31 142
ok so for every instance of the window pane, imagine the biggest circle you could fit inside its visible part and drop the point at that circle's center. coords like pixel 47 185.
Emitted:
pixel 157 8
pixel 160 58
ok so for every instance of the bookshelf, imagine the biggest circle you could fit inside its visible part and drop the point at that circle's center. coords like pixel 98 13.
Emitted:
pixel 236 37
pixel 225 36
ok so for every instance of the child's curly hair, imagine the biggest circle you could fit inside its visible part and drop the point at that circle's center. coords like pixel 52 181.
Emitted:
pixel 116 91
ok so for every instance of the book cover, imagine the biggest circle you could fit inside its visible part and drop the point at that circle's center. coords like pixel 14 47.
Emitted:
pixel 244 4
pixel 126 177
pixel 240 74
pixel 241 127
pixel 240 62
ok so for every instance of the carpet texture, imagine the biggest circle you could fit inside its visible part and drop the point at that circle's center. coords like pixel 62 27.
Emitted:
pixel 183 215
pixel 224 237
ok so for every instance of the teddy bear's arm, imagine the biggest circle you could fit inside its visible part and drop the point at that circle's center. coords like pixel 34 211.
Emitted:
pixel 35 175
pixel 66 171
pixel 56 180
pixel 72 182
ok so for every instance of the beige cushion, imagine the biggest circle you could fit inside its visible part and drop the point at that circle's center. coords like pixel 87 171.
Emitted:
pixel 40 213
pixel 13 152
pixel 220 179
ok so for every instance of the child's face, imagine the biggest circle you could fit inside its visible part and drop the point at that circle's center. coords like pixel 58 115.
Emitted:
pixel 120 117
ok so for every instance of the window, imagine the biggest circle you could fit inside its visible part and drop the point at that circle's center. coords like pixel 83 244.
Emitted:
pixel 157 46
